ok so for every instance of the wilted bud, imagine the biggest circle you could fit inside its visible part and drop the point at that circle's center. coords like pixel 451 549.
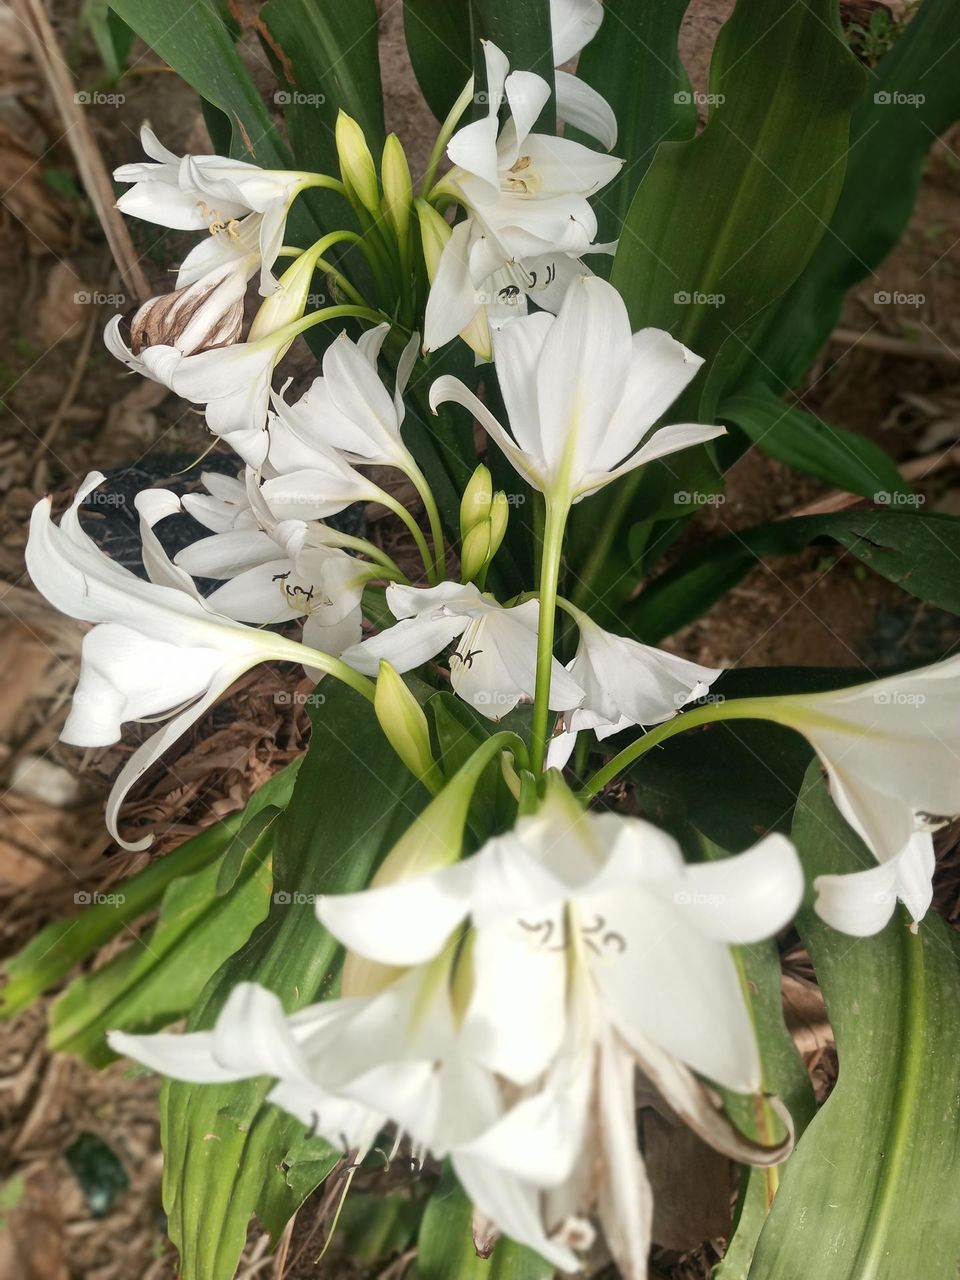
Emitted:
pixel 476 500
pixel 435 231
pixel 404 724
pixel 397 187
pixel 202 315
pixel 356 163
pixel 288 301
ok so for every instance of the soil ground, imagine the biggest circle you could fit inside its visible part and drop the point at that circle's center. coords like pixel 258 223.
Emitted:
pixel 67 406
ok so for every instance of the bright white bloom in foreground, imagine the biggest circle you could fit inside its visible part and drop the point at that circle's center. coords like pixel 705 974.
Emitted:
pixel 625 683
pixel 574 24
pixel 582 393
pixel 275 569
pixel 156 650
pixel 892 753
pixel 211 193
pixel 593 950
pixel 526 196
pixel 347 409
pixel 495 663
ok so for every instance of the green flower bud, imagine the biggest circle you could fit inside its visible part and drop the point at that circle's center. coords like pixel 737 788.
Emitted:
pixel 475 551
pixel 356 163
pixel 397 187
pixel 476 500
pixel 288 301
pixel 404 724
pixel 499 515
pixel 435 231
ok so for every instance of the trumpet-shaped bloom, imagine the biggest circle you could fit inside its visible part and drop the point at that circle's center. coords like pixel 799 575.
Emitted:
pixel 582 394
pixel 891 752
pixel 156 647
pixel 592 949
pixel 526 196
pixel 494 665
pixel 211 193
pixel 625 683
pixel 348 410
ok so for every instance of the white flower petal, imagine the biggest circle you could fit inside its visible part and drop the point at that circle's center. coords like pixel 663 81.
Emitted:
pixel 581 106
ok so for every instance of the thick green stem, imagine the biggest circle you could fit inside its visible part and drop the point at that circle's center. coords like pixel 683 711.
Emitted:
pixel 739 709
pixel 556 522
pixel 403 514
pixel 416 476
pixel 293 651
pixel 446 133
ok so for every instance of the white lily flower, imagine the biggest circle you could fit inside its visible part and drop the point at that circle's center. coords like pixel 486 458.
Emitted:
pixel 526 196
pixel 592 949
pixel 348 409
pixel 891 750
pixel 277 569
pixel 199 193
pixel 494 665
pixel 582 394
pixel 625 683
pixel 156 648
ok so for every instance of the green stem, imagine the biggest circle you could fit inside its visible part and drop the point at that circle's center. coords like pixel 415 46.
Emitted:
pixel 446 133
pixel 385 500
pixel 739 709
pixel 292 651
pixel 422 485
pixel 348 310
pixel 549 577
pixel 368 549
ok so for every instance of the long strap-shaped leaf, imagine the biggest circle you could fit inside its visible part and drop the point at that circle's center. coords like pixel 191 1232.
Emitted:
pixel 226 1154
pixel 871 1191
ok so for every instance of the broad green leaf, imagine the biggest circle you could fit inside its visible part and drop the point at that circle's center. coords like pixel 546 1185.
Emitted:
pixel 633 62
pixel 866 1194
pixel 917 552
pixel 789 434
pixel 159 976
pixel 111 35
pixel 198 45
pixel 56 949
pixel 913 97
pixel 372 1226
pixel 246 842
pixel 722 224
pixel 227 1155
pixel 446 1249
pixel 438 40
pixel 521 28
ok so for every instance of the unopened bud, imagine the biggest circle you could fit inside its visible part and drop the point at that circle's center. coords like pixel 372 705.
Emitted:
pixel 356 163
pixel 435 231
pixel 476 500
pixel 475 551
pixel 404 724
pixel 499 516
pixel 397 187
pixel 288 301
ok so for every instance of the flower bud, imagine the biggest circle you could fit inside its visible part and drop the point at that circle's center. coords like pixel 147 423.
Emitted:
pixel 288 301
pixel 476 500
pixel 397 187
pixel 475 551
pixel 499 515
pixel 404 724
pixel 356 163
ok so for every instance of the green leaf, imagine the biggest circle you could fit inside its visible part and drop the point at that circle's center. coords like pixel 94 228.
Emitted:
pixel 722 224
pixel 111 35
pixel 198 45
pixel 891 133
pixel 245 842
pixel 521 28
pixel 863 1195
pixel 226 1154
pixel 634 63
pixel 372 1226
pixel 438 41
pixel 917 552
pixel 789 434
pixel 446 1249
pixel 64 943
